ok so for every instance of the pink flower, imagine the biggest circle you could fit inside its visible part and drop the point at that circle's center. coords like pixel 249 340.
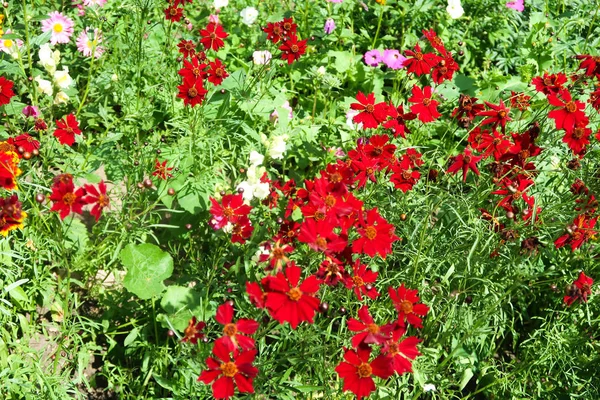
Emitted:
pixel 31 111
pixel 61 27
pixel 214 18
pixel 373 57
pixel 518 5
pixel 98 3
pixel 86 44
pixel 393 59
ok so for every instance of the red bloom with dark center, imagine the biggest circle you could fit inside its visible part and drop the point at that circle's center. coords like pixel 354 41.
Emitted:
pixel 405 301
pixel 467 110
pixel 216 72
pixel 368 331
pixel 174 14
pixel 66 199
pixel 97 197
pixel 419 63
pixel 549 83
pixel 192 91
pixel 570 114
pixel 319 236
pixel 444 69
pixel 414 157
pixel 497 115
pixel 274 32
pixel 292 49
pixel 404 177
pixel 232 332
pixel 371 114
pixel 241 230
pixel 397 122
pixel 40 125
pixel 364 168
pixel 187 48
pixel 401 352
pixel 288 300
pixel 465 162
pixel 495 144
pixel 289 27
pixel 331 271
pixel 520 101
pixel 212 36
pixel 578 139
pixel 377 235
pixel 362 281
pixel 11 214
pixel 379 148
pixel 524 147
pixel 66 129
pixel 579 232
pixel 580 289
pixel 193 70
pixel 6 92
pixel 9 170
pixel 594 99
pixel 424 107
pixel 27 142
pixel 193 332
pixel 231 209
pixel 591 64
pixel 435 41
pixel 161 170
pixel 357 372
pixel 277 254
pixel 513 189
pixel 225 373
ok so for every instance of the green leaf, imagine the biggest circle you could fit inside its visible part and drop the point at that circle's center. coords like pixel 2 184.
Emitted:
pixel 147 267
pixel 131 336
pixel 467 375
pixel 181 304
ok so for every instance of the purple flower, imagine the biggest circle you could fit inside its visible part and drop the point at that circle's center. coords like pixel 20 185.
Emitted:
pixel 373 57
pixel 31 111
pixel 393 59
pixel 329 26
pixel 518 5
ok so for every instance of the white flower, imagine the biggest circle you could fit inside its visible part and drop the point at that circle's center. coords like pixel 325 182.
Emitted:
pixel 44 86
pixel 277 147
pixel 321 71
pixel 261 250
pixel 114 78
pixel 249 15
pixel 256 158
pixel 248 193
pixel 429 387
pixel 228 228
pixel 455 9
pixel 221 4
pixel 261 57
pixel 261 190
pixel 61 98
pixel 62 79
pixel 49 59
pixel 349 116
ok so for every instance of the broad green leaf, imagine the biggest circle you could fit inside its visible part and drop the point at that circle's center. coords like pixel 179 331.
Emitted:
pixel 181 304
pixel 147 267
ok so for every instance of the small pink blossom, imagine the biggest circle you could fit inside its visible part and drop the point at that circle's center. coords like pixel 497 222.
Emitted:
pixel 98 3
pixel 86 43
pixel 214 18
pixel 518 5
pixel 31 111
pixel 61 27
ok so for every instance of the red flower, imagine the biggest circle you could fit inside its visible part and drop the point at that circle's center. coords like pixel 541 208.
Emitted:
pixel 465 162
pixel 578 233
pixel 223 372
pixel 594 99
pixel 549 83
pixel 289 27
pixel 371 114
pixel 232 338
pixel 331 271
pixel 578 139
pixel 434 40
pixel 402 352
pixel 319 236
pixel 514 190
pixel 498 115
pixel 414 158
pixel 212 36
pixel 6 92
pixel 193 70
pixel 379 148
pixel 591 64
pixel 444 69
pixel 161 170
pixel 27 142
pixel 425 107
pixel 570 114
pixel 420 63
pixel 404 176
pixel 292 49
pixel 377 235
pixel 97 197
pixel 520 101
pixel 274 32
pixel 467 110
pixel 216 72
pixel 405 301
pixel 357 372
pixel 288 300
pixel 67 129
pixel 397 122
pixel 495 144
pixel 192 91
pixel 276 255
pixel 193 331
pixel 66 199
pixel 187 48
pixel 368 331
pixel 11 214
pixel 241 230
pixel 362 281
pixel 174 14
pixel 231 209
pixel 40 125
pixel 9 170
pixel 257 297
pixel 580 289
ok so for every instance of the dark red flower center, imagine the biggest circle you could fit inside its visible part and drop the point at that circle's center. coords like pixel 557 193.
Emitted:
pixel 196 71
pixel 294 48
pixel 319 215
pixel 295 294
pixel 189 46
pixel 230 330
pixel 571 107
pixel 69 198
pixel 287 26
pixel 467 159
pixel 358 281
pixel 377 151
pixel 278 253
pixel 406 175
pixel 370 232
pixel 173 12
pixel 364 370
pixel 426 102
pixel 219 72
pixel 370 108
pixel 103 200
pixel 502 113
pixel 332 268
pixel 405 306
pixel 213 35
pixel 419 55
pixel 336 177
pixel 69 130
pixel 192 92
pixel 370 170
pixel 578 133
pixel 229 369
pixel 548 82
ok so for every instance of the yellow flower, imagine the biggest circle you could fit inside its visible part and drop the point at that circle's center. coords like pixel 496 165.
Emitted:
pixel 382 2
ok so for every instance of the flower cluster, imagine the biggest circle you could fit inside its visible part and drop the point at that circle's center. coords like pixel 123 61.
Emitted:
pixel 285 31
pixel 67 199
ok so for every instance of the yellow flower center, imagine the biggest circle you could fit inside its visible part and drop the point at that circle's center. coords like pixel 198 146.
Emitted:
pixel 8 43
pixel 58 28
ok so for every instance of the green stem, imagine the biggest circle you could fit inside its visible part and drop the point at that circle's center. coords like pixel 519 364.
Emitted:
pixel 89 79
pixel 29 59
pixel 378 28
pixel 590 30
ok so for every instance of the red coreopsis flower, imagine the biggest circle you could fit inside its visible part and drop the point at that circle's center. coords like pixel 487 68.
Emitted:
pixel 231 209
pixel 274 32
pixel 578 139
pixel 66 199
pixel 27 142
pixel 193 70
pixel 11 214
pixel 594 99
pixel 40 125
pixel 225 373
pixel 591 64
pixel 467 110
pixel 292 49
pixel 193 332
pixel 192 92
pixel 319 236
pixel 276 254
pixel 331 271
pixel 435 41
pixel 377 235
pixel 397 123
pixel 241 230
pixel 495 144
pixel 414 158
pixel 66 129
pixel 288 300
pixel 368 331
pixel 570 114
pixel 212 36
pixel 514 189
pixel 465 162
pixel 6 92
pixel 579 232
pixel 401 352
pixel 497 115
pixel 216 72
pixel 371 114
pixel 173 13
pixel 362 281
pixel 161 170
pixel 404 176
pixel 444 69
pixel 520 101
pixel 289 27
pixel 232 332
pixel 549 83
pixel 97 197
pixel 357 372
pixel 9 170
pixel 419 63
pixel 407 304
pixel 379 148
pixel 187 48
pixel 580 289
pixel 425 107
pixel 256 295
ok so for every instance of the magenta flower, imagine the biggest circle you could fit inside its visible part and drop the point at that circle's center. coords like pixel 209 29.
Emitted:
pixel 373 57
pixel 393 59
pixel 61 27
pixel 329 26
pixel 31 111
pixel 518 5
